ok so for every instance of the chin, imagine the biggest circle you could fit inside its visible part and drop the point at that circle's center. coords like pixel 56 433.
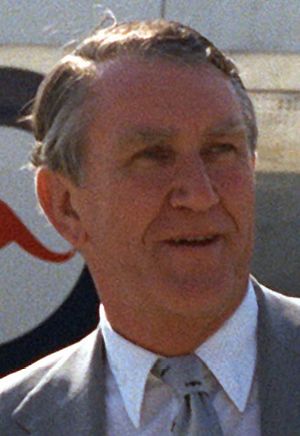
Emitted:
pixel 206 293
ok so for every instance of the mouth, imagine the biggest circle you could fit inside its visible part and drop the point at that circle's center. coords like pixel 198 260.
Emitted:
pixel 198 241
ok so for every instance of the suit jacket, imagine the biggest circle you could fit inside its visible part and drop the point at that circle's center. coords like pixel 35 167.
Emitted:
pixel 63 394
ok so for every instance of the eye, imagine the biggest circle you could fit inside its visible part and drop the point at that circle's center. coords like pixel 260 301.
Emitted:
pixel 226 147
pixel 157 153
pixel 219 150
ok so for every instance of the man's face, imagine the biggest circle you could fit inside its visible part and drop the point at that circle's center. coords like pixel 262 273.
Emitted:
pixel 168 194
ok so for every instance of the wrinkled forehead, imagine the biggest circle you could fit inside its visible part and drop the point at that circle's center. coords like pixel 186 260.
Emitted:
pixel 129 79
pixel 136 95
pixel 137 75
pixel 151 62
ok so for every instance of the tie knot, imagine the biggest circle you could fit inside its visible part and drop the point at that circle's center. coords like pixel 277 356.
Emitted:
pixel 183 373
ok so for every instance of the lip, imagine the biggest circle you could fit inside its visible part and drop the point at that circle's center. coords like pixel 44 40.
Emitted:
pixel 193 254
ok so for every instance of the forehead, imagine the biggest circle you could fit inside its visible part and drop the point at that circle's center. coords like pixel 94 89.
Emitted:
pixel 150 93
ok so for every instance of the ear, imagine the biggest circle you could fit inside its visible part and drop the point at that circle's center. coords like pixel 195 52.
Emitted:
pixel 254 159
pixel 55 193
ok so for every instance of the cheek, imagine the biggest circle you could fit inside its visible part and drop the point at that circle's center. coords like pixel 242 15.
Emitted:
pixel 236 189
pixel 123 211
pixel 236 180
pixel 143 193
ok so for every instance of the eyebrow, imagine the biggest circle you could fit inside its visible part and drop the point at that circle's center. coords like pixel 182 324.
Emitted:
pixel 228 127
pixel 147 136
pixel 152 136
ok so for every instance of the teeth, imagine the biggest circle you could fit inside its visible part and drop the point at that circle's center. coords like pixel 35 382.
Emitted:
pixel 197 239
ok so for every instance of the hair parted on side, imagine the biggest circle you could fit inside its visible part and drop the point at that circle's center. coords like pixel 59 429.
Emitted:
pixel 58 118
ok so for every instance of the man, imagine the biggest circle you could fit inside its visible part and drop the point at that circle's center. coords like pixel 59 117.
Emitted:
pixel 144 157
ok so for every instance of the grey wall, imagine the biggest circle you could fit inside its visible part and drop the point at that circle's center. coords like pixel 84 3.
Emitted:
pixel 252 25
pixel 56 22
pixel 247 25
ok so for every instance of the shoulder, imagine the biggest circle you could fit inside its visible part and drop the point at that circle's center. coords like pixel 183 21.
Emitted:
pixel 28 377
pixel 277 302
pixel 279 315
pixel 17 386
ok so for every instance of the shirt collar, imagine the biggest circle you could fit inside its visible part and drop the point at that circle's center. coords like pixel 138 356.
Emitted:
pixel 130 365
pixel 230 353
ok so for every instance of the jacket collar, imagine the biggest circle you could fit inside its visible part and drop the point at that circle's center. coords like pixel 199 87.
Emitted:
pixel 65 398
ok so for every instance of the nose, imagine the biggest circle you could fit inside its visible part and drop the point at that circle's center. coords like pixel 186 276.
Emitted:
pixel 192 187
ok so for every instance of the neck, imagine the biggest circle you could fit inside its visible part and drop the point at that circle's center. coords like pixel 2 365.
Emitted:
pixel 169 335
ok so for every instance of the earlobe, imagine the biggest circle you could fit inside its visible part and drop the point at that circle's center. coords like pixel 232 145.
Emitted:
pixel 54 193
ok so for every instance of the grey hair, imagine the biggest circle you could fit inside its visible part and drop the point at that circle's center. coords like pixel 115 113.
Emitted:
pixel 58 117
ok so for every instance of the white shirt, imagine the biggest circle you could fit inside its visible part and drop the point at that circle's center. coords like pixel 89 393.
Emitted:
pixel 137 403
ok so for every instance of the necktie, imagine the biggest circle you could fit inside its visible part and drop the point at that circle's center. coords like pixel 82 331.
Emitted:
pixel 196 416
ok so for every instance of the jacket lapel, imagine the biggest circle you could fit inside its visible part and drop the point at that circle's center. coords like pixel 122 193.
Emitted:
pixel 69 399
pixel 278 365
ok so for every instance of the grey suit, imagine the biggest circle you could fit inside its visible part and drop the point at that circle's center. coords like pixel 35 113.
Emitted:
pixel 63 394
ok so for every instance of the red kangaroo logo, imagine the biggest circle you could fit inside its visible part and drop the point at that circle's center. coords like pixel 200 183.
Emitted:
pixel 13 230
